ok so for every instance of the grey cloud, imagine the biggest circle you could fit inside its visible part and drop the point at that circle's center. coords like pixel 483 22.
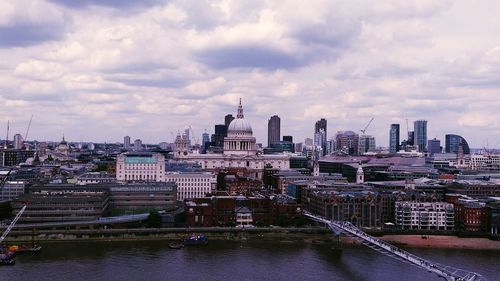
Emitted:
pixel 248 57
pixel 334 33
pixel 79 4
pixel 28 35
pixel 156 83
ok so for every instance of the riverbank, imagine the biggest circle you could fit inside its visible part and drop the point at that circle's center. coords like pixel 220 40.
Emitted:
pixel 443 242
pixel 280 235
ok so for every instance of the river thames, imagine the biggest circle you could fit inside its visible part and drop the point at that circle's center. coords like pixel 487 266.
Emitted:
pixel 153 260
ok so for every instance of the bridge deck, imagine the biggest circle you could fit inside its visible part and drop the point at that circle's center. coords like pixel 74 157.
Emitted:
pixel 348 229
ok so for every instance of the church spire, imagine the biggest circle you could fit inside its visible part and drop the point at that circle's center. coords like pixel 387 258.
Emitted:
pixel 240 111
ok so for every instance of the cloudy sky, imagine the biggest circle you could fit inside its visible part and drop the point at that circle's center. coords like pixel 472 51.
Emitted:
pixel 97 70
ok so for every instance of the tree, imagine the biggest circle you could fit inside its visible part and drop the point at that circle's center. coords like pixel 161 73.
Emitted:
pixel 153 220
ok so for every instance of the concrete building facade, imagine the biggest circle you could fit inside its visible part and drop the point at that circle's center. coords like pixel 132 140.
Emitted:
pixel 140 167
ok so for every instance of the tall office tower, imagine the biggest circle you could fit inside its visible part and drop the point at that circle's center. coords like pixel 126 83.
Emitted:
pixel 453 142
pixel 273 130
pixel 18 141
pixel 411 138
pixel 298 147
pixel 220 134
pixel 420 134
pixel 366 144
pixel 347 141
pixel 205 137
pixel 394 138
pixel 227 120
pixel 308 142
pixel 188 136
pixel 320 127
pixel 288 138
pixel 137 145
pixel 434 146
pixel 126 142
pixel 330 146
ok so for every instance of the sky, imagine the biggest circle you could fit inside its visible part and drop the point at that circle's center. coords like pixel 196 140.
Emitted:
pixel 97 70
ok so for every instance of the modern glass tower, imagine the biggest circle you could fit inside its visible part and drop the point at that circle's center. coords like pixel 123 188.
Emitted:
pixel 320 128
pixel 420 134
pixel 394 138
pixel 452 143
pixel 273 130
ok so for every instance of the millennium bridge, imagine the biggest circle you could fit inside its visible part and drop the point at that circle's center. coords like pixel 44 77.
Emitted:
pixel 447 272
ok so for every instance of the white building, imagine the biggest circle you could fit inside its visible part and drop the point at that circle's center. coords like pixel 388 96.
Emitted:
pixel 140 167
pixel 240 152
pixel 424 215
pixel 192 185
pixel 18 141
pixel 12 190
pixel 485 162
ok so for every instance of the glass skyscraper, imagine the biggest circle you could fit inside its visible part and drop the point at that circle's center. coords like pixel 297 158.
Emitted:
pixel 394 138
pixel 420 134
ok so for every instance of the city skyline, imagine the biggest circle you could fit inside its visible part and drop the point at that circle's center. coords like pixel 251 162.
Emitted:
pixel 100 71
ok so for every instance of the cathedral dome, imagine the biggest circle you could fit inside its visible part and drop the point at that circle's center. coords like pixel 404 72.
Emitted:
pixel 239 126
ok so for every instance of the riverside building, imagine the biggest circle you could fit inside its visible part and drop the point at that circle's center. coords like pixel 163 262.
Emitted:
pixel 192 185
pixel 425 215
pixel 140 167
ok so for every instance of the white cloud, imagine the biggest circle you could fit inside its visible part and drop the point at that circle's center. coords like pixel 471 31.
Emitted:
pixel 95 71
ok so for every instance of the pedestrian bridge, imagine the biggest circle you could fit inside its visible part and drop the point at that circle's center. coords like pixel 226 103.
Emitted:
pixel 348 229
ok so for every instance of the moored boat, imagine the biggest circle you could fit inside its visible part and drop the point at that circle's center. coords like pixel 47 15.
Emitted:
pixel 196 240
pixel 7 262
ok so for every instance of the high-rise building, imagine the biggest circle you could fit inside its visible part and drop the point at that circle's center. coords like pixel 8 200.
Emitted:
pixel 273 130
pixel 366 144
pixel 330 146
pixel 321 127
pixel 288 138
pixel 126 142
pixel 394 138
pixel 411 138
pixel 308 142
pixel 434 146
pixel 453 142
pixel 420 135
pixel 137 145
pixel 347 141
pixel 205 137
pixel 227 120
pixel 18 141
pixel 220 134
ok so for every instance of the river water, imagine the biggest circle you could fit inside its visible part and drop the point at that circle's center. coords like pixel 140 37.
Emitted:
pixel 153 260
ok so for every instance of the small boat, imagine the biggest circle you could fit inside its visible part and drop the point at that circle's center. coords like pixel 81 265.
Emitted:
pixel 196 240
pixel 176 246
pixel 7 262
pixel 25 249
pixel 6 254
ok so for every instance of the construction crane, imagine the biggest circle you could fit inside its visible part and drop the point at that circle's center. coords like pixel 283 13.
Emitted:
pixel 28 129
pixel 407 128
pixel 11 225
pixel 366 127
pixel 4 180
pixel 7 137
pixel 196 140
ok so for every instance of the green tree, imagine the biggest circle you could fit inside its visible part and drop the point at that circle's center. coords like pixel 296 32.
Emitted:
pixel 153 220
